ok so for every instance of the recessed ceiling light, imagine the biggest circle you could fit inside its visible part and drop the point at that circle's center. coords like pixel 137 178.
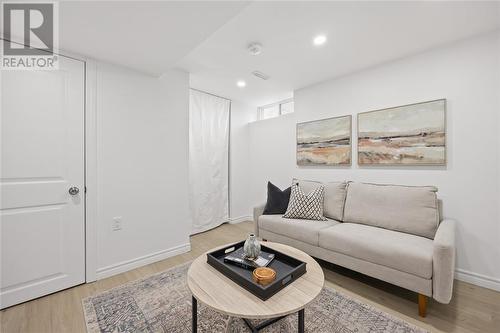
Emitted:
pixel 241 84
pixel 319 40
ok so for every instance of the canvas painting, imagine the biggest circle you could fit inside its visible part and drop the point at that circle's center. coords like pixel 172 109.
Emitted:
pixel 405 135
pixel 324 142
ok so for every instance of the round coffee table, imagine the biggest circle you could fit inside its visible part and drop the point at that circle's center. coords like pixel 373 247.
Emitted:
pixel 218 292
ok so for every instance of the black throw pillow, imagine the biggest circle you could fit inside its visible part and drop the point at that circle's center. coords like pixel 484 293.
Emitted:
pixel 277 200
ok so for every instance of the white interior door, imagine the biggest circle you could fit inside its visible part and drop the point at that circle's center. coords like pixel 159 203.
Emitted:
pixel 42 156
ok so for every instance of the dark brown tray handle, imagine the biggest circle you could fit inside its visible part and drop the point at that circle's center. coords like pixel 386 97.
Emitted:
pixel 287 279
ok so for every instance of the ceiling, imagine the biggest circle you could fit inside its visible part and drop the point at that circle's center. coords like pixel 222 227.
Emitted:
pixel 149 36
pixel 209 39
pixel 360 35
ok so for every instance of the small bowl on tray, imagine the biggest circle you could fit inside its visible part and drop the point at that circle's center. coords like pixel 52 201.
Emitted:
pixel 264 275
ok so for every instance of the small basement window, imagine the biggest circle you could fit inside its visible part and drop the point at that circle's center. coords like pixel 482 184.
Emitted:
pixel 275 110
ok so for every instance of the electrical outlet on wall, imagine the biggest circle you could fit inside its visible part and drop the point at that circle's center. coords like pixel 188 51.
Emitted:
pixel 116 225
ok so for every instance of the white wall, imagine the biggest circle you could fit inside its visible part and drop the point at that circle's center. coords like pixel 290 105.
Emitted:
pixel 142 161
pixel 467 75
pixel 242 115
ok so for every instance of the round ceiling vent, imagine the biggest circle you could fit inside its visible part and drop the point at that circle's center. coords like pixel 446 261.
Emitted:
pixel 255 49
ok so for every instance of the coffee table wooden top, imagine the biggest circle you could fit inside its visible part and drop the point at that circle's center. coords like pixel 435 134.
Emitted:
pixel 215 290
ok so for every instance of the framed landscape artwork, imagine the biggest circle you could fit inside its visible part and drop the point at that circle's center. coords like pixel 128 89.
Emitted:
pixel 324 142
pixel 412 134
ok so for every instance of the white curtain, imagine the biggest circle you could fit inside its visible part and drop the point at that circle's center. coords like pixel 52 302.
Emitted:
pixel 208 160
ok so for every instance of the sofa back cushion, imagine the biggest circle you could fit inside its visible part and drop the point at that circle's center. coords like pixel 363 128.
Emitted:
pixel 334 196
pixel 410 209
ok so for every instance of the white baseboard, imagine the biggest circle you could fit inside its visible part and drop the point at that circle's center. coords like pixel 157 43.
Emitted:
pixel 234 220
pixel 124 266
pixel 477 279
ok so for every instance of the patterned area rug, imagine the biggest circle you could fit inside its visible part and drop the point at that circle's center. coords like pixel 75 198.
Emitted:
pixel 162 303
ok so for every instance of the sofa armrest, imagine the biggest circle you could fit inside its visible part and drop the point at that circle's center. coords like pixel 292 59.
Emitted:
pixel 257 211
pixel 443 262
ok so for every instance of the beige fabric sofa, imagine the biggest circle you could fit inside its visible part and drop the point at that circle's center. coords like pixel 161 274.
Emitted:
pixel 390 232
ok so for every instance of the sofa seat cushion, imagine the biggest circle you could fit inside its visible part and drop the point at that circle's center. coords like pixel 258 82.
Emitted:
pixel 404 252
pixel 303 230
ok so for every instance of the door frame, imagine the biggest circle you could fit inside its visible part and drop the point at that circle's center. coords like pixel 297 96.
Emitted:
pixel 91 171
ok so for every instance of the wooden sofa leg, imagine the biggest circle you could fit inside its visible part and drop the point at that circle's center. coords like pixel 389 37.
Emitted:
pixel 422 305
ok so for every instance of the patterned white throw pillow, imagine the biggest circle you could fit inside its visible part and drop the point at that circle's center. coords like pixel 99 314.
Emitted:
pixel 306 206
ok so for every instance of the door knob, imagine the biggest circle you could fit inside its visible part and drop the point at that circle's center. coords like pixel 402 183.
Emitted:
pixel 74 190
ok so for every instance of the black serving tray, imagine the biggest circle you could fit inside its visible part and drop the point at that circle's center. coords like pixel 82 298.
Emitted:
pixel 288 269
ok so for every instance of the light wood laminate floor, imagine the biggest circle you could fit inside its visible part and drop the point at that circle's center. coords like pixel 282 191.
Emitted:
pixel 473 309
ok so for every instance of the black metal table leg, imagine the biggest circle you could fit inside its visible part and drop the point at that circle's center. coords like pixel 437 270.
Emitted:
pixel 264 324
pixel 301 321
pixel 194 307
